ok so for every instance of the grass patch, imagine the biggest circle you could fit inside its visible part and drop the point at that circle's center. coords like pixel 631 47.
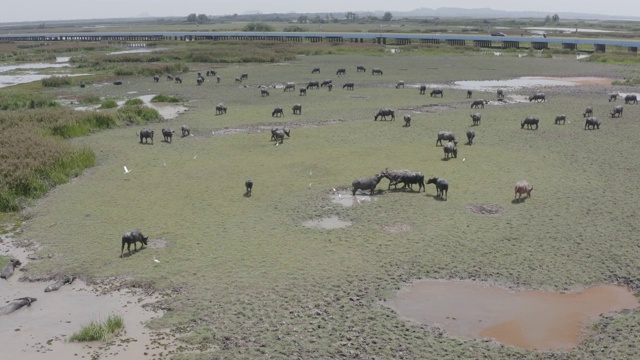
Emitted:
pixel 99 331
pixel 23 100
pixel 109 104
pixel 630 81
pixel 56 81
pixel 165 98
pixel 134 101
pixel 89 99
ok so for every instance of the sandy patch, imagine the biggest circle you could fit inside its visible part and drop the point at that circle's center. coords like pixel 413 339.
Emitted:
pixel 331 222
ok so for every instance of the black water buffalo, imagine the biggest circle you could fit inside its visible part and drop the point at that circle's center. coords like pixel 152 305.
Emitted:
pixel 218 79
pixel 407 120
pixel 423 89
pixel 297 109
pixel 221 109
pixel 146 134
pixel 264 92
pixel 476 119
pixel 7 271
pixel 469 94
pixel 238 80
pixel 442 186
pixel 631 99
pixel 400 84
pixel 274 130
pixel 132 237
pixel 450 150
pixel 406 177
pixel 384 113
pixel 592 123
pixel 436 92
pixel 613 97
pixel 617 111
pixel 117 82
pixel 376 71
pixel 82 85
pixel 169 78
pixel 559 118
pixel 325 83
pixel 17 304
pixel 445 135
pixel 500 94
pixel 538 97
pixel 348 86
pixel 167 134
pixel 277 112
pixel 315 70
pixel 279 134
pixel 530 122
pixel 341 71
pixel 199 80
pixel 211 72
pixel 360 68
pixel 470 135
pixel 478 103
pixel 303 92
pixel 522 188
pixel 366 184
pixel 313 84
pixel 249 186
pixel 156 78
pixel 330 87
pixel 289 86
pixel 58 284
pixel 186 131
pixel 178 79
pixel 244 76
pixel 588 112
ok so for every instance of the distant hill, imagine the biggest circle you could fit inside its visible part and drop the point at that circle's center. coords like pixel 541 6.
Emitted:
pixel 491 13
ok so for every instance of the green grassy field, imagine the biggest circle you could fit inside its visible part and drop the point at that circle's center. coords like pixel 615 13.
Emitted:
pixel 251 281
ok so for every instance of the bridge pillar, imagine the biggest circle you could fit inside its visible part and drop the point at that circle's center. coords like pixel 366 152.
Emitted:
pixel 570 46
pixel 482 43
pixel 456 42
pixel 599 47
pixel 510 44
pixel 539 45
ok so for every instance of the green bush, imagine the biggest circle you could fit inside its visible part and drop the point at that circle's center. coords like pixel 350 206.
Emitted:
pixel 294 28
pixel 257 26
pixel 95 331
pixel 137 114
pixel 109 104
pixel 89 99
pixel 135 101
pixel 56 81
pixel 165 98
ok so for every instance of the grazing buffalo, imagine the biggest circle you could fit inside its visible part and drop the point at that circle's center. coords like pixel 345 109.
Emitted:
pixel 117 82
pixel 348 86
pixel 186 131
pixel 303 92
pixel 211 72
pixel 238 80
pixel 168 135
pixel 274 130
pixel 442 186
pixel 156 78
pixel 7 271
pixel 218 79
pixel 522 187
pixel 221 109
pixel 588 112
pixel 289 86
pixel 407 120
pixel 406 177
pixel 169 78
pixel 478 103
pixel 315 70
pixel 592 123
pixel 82 85
pixel 530 122
pixel 562 118
pixel 297 109
pixel 436 92
pixel 360 68
pixel 146 134
pixel 277 112
pixel 445 135
pixel 366 184
pixel 631 99
pixel 376 71
pixel 249 186
pixel 264 92
pixel 470 135
pixel 58 284
pixel 244 76
pixel 500 94
pixel 613 97
pixel 313 84
pixel 132 237
pixel 199 80
pixel 469 94
pixel 330 87
pixel 400 84
pixel 384 113
pixel 476 119
pixel 423 89
pixel 450 150
pixel 617 111
pixel 279 134
pixel 326 83
pixel 178 79
pixel 17 304
pixel 539 97
pixel 341 71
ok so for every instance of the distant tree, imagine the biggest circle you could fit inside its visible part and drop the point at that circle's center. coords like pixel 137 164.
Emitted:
pixel 555 18
pixel 257 26
pixel 387 16
pixel 294 28
pixel 351 16
pixel 317 20
pixel 303 19
pixel 547 19
pixel 192 17
pixel 202 18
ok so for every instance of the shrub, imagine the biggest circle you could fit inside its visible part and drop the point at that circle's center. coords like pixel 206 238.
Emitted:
pixel 165 98
pixel 95 331
pixel 137 114
pixel 56 81
pixel 294 28
pixel 89 99
pixel 109 104
pixel 257 26
pixel 135 101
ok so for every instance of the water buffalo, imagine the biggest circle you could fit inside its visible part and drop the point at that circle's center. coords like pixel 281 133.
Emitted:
pixel 178 79
pixel 315 70
pixel 117 82
pixel 277 112
pixel 274 130
pixel 470 135
pixel 7 271
pixel 631 99
pixel 613 97
pixel 211 72
pixel 199 80
pixel 376 71
pixel 279 134
pixel 168 135
pixel 406 177
pixel 303 92
pixel 436 92
pixel 244 76
pixel 476 119
pixel 442 186
pixel 360 68
pixel 450 150
pixel 562 118
pixel 617 111
pixel 588 112
pixel 58 284
pixel 249 186
pixel 530 122
pixel 156 78
pixel 500 94
pixel 348 86
pixel 82 85
pixel 325 83
pixel 445 135
pixel 407 120
pixel 221 109
pixel 19 303
pixel 186 131
pixel 146 134
pixel 423 89
pixel 169 78
pixel 297 109
pixel 469 94
pixel 539 97
pixel 478 103
pixel 218 79
pixel 238 80
pixel 341 71
pixel 289 86
pixel 313 84
pixel 366 184
pixel 522 187
pixel 400 84
pixel 330 87
pixel 592 123
pixel 132 237
pixel 384 113
pixel 264 92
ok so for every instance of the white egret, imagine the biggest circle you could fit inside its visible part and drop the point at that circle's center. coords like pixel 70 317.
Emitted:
pixel 126 171
pixel 156 260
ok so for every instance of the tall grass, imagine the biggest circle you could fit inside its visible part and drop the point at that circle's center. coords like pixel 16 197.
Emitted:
pixel 20 100
pixel 56 81
pixel 95 330
pixel 165 98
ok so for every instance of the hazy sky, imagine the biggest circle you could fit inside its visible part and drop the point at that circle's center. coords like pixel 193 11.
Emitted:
pixel 38 10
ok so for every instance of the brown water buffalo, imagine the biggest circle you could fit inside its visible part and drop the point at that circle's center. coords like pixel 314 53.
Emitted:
pixel 500 94
pixel 522 188
pixel 406 177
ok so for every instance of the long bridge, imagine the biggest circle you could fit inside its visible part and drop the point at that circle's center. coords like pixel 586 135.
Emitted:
pixel 504 42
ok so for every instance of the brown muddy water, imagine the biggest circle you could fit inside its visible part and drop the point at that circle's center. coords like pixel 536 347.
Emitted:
pixel 528 319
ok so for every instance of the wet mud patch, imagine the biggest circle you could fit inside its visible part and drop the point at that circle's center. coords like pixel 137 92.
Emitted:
pixel 488 209
pixel 344 198
pixel 158 243
pixel 396 228
pixel 528 319
pixel 331 222
pixel 431 108
pixel 266 127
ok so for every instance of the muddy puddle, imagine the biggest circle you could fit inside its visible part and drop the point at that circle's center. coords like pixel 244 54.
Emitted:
pixel 529 319
pixel 136 51
pixel 345 198
pixel 331 222
pixel 528 82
